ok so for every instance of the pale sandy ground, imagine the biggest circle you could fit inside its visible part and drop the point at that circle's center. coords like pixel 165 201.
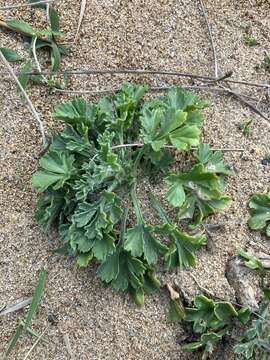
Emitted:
pixel 162 34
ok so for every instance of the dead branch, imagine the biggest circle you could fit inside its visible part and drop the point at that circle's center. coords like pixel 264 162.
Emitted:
pixel 30 104
pixel 210 37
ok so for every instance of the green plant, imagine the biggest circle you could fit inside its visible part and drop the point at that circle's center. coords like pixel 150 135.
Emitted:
pixel 250 41
pixel 211 320
pixel 25 324
pixel 199 192
pixel 10 54
pixel 259 205
pixel 246 127
pixel 252 261
pixel 255 342
pixel 40 39
pixel 267 61
pixel 91 174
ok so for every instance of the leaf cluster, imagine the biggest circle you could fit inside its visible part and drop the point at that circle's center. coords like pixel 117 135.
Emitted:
pixel 259 205
pixel 254 344
pixel 211 321
pixel 89 177
pixel 43 39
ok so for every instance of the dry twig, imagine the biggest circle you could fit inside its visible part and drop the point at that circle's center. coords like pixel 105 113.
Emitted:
pixel 82 10
pixel 248 104
pixel 30 104
pixel 67 343
pixel 16 6
pixel 204 78
pixel 211 37
pixel 35 344
pixel 15 307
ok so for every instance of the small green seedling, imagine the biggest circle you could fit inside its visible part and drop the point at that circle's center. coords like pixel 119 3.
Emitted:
pixel 25 324
pixel 252 261
pixel 211 321
pixel 246 127
pixel 40 39
pixel 255 342
pixel 267 61
pixel 250 41
pixel 259 205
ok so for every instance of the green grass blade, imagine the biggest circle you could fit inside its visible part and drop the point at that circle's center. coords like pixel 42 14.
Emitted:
pixel 13 340
pixel 36 298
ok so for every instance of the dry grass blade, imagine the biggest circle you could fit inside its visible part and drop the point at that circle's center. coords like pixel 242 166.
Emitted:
pixel 82 10
pixel 30 104
pixel 211 37
pixel 174 295
pixel 248 104
pixel 67 343
pixel 34 345
pixel 16 6
pixel 204 78
pixel 15 307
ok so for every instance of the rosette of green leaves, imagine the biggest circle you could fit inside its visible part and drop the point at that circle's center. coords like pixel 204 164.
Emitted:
pixel 211 320
pixel 89 175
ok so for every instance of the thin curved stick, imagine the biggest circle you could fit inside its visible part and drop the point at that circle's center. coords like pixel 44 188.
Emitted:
pixel 82 10
pixel 9 7
pixel 30 104
pixel 211 37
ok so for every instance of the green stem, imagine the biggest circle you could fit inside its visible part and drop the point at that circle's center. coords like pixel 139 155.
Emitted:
pixel 123 227
pixel 137 160
pixel 135 201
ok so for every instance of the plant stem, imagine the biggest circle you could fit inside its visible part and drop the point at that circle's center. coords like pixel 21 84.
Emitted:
pixel 136 204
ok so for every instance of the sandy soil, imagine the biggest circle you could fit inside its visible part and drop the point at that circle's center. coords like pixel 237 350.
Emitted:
pixel 163 34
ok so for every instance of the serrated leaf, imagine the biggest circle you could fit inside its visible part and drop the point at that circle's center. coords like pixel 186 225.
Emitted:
pixel 57 170
pixel 176 195
pixel 224 311
pixel 123 270
pixel 244 315
pixel 260 212
pixel 10 54
pixel 253 262
pixel 212 160
pixel 181 99
pixel 185 137
pixel 182 246
pixel 140 241
pixel 75 112
pixel 83 260
pixel 168 126
pixel 203 193
pixel 49 205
